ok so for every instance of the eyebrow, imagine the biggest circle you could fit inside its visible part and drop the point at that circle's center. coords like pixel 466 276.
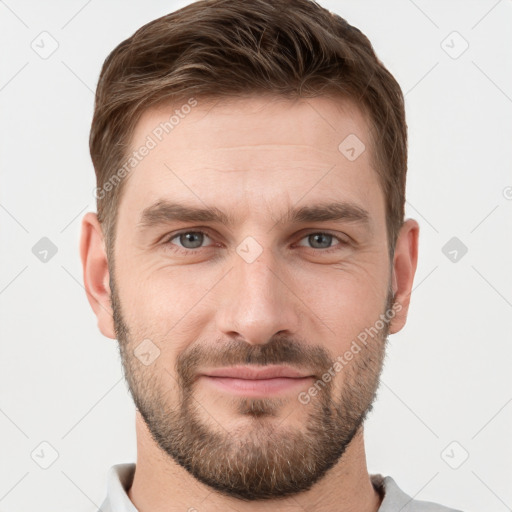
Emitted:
pixel 164 211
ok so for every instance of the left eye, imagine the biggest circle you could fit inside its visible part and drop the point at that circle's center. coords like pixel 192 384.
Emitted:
pixel 318 240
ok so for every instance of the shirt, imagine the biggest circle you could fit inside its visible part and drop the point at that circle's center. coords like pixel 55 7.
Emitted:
pixel 120 479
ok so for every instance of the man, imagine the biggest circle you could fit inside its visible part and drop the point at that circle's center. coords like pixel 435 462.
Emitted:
pixel 250 254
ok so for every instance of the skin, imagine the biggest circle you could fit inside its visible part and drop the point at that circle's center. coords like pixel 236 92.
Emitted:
pixel 252 158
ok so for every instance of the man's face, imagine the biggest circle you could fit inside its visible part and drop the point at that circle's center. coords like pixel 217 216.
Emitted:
pixel 267 289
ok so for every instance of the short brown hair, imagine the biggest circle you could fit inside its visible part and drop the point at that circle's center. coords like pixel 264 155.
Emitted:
pixel 230 48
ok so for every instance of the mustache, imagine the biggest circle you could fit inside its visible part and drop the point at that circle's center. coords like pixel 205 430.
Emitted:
pixel 279 350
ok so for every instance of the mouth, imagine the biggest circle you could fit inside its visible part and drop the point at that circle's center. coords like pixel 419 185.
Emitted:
pixel 256 381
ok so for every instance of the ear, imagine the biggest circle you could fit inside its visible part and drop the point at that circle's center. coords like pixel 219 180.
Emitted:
pixel 96 274
pixel 404 267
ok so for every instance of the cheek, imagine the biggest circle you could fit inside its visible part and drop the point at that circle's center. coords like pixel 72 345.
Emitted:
pixel 159 303
pixel 347 303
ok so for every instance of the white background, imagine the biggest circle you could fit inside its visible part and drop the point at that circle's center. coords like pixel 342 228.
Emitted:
pixel 447 375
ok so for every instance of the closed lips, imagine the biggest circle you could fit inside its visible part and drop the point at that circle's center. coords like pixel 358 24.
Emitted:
pixel 255 373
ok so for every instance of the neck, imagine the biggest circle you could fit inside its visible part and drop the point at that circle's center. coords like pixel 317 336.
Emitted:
pixel 160 485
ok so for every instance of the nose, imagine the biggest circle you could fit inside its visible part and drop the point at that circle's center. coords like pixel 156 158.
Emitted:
pixel 258 301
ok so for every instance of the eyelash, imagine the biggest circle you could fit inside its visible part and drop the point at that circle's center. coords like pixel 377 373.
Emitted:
pixel 180 250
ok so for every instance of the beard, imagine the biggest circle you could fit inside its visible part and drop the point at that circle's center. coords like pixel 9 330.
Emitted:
pixel 264 458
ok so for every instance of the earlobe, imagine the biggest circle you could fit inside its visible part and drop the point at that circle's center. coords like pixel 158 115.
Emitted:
pixel 404 268
pixel 96 273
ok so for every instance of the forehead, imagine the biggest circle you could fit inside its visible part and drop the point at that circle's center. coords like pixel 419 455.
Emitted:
pixel 258 153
